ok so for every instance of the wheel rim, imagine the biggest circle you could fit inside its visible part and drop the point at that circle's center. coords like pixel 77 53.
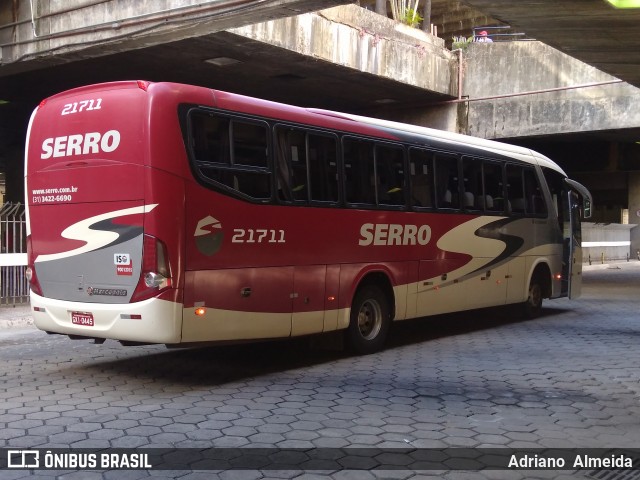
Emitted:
pixel 370 319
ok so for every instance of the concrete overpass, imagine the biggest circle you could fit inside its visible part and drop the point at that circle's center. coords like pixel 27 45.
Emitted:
pixel 593 31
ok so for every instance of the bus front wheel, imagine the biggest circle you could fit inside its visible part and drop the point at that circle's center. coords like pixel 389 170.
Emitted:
pixel 533 306
pixel 369 322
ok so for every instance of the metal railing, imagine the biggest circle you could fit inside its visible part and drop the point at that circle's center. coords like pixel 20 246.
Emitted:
pixel 14 288
pixel 500 33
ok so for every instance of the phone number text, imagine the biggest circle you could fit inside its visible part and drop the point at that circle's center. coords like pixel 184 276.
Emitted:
pixel 51 198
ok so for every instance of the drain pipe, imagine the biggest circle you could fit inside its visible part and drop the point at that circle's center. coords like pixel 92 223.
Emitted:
pixel 459 50
pixel 520 94
pixel 33 20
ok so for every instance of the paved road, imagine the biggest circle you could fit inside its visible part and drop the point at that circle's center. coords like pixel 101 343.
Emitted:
pixel 476 379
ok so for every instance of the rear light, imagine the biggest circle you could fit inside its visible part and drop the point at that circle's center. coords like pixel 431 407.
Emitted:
pixel 155 275
pixel 155 280
pixel 30 271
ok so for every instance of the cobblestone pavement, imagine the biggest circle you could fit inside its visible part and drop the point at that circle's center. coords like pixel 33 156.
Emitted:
pixel 474 379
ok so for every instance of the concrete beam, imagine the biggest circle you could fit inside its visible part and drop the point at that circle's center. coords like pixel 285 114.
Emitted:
pixel 46 32
pixel 359 39
pixel 591 30
pixel 502 69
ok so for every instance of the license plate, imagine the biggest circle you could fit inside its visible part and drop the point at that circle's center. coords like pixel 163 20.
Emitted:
pixel 84 319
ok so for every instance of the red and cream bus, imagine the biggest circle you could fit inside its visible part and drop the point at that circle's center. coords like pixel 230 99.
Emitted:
pixel 176 214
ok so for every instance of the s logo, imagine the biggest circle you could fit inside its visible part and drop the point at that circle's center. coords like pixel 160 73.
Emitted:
pixel 98 232
pixel 209 236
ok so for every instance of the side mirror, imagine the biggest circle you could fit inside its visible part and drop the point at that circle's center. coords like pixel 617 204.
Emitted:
pixel 586 208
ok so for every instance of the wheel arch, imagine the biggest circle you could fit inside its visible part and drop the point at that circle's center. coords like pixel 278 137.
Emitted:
pixel 381 279
pixel 542 271
pixel 375 275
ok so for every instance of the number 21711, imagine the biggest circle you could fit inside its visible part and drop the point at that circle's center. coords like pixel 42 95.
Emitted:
pixel 83 105
pixel 259 235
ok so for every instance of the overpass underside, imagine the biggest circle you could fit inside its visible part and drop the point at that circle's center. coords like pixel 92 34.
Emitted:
pixel 523 92
pixel 588 121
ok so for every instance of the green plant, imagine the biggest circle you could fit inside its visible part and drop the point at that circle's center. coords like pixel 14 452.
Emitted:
pixel 461 42
pixel 412 18
pixel 403 11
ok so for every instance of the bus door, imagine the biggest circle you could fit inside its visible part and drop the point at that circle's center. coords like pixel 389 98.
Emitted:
pixel 576 201
pixel 572 245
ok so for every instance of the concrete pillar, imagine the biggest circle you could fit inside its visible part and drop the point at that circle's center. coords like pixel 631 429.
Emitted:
pixel 634 211
pixel 426 16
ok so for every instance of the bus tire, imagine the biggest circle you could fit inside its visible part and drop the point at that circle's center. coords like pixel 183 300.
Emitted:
pixel 532 307
pixel 369 322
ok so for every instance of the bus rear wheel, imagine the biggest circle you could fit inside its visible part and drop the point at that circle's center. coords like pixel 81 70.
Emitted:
pixel 533 306
pixel 369 322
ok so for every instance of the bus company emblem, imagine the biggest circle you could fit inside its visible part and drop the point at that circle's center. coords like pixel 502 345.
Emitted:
pixel 208 236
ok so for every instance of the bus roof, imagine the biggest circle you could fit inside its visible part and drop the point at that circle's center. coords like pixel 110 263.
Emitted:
pixel 457 139
pixel 368 125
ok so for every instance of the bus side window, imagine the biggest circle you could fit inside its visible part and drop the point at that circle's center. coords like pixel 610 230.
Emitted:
pixel 323 167
pixel 555 183
pixel 389 175
pixel 211 147
pixel 210 137
pixel 252 184
pixel 250 149
pixel 533 193
pixel 359 171
pixel 231 153
pixel 421 178
pixel 515 190
pixel 291 164
pixel 447 188
pixel 306 166
pixel 249 144
pixel 493 187
pixel 472 191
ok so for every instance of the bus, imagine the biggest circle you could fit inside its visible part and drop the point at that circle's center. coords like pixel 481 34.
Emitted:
pixel 181 215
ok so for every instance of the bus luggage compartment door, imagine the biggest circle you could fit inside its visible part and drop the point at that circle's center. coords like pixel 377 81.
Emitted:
pixel 240 304
pixel 308 299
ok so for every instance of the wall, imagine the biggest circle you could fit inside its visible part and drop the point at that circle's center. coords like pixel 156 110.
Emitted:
pixel 493 69
pixel 608 241
pixel 634 209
